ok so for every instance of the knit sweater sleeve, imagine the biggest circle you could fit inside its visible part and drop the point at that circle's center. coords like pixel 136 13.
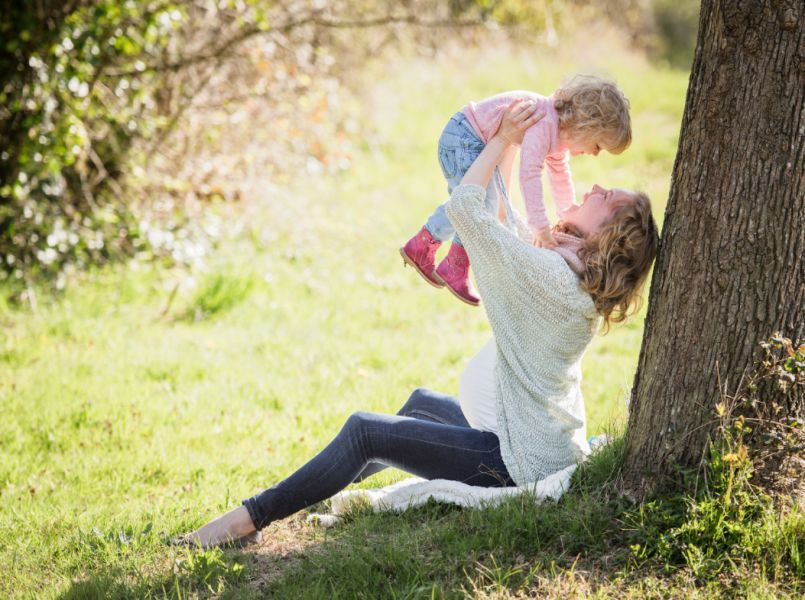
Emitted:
pixel 513 275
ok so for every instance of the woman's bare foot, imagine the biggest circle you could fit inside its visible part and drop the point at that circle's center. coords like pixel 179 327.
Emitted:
pixel 227 528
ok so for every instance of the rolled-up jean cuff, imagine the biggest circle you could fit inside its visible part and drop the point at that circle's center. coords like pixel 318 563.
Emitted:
pixel 251 507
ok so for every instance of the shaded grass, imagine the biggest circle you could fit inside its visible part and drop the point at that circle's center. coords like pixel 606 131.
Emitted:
pixel 441 551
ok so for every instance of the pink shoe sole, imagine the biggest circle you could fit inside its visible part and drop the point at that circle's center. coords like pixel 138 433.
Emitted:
pixel 430 279
pixel 454 292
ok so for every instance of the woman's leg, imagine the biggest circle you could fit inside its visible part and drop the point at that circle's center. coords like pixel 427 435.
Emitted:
pixel 423 448
pixel 436 407
pixel 425 405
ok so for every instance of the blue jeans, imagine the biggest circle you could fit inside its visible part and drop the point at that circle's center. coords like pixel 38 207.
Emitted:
pixel 459 146
pixel 429 437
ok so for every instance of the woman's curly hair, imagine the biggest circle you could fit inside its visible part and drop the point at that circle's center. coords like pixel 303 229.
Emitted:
pixel 618 258
pixel 591 108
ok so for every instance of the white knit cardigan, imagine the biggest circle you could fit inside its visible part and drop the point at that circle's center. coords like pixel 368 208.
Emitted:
pixel 542 321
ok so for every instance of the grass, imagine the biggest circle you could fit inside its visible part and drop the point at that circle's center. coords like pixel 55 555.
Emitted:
pixel 593 543
pixel 143 402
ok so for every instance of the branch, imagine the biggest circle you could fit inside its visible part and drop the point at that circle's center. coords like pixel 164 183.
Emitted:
pixel 312 19
pixel 168 129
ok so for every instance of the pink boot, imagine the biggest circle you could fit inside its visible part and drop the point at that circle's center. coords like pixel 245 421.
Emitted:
pixel 420 253
pixel 454 272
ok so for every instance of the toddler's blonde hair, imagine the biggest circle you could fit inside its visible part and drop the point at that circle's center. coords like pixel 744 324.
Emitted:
pixel 593 109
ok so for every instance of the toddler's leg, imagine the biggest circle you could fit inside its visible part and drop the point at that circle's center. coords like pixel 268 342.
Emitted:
pixel 459 146
pixel 438 225
pixel 420 251
pixel 454 271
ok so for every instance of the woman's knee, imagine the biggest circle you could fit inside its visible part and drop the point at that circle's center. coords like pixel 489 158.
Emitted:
pixel 417 398
pixel 360 432
pixel 360 426
pixel 356 421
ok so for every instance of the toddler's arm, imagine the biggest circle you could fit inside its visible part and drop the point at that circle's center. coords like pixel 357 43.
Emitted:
pixel 536 144
pixel 561 182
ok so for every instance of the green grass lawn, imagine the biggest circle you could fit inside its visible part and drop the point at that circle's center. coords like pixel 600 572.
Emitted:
pixel 128 417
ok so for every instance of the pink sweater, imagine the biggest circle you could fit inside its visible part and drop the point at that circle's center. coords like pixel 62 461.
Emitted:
pixel 540 147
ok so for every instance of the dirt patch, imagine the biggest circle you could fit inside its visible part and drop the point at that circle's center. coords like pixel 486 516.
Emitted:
pixel 284 545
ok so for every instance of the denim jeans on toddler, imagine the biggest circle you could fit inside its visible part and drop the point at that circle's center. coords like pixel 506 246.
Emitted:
pixel 429 438
pixel 459 146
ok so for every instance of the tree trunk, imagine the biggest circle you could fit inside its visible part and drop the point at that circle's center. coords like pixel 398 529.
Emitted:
pixel 730 270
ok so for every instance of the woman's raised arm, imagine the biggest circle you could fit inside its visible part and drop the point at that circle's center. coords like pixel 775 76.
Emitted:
pixel 519 116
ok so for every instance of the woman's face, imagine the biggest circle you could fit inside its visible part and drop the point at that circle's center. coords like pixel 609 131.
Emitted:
pixel 596 209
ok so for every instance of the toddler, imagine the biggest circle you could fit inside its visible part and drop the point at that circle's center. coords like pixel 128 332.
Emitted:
pixel 584 116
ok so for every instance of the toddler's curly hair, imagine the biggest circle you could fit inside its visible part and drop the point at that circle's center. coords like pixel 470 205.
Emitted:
pixel 594 109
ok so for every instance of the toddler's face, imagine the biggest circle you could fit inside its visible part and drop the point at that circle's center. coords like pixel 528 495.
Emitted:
pixel 584 146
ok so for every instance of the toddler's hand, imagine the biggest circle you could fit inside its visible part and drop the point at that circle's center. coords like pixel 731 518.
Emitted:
pixel 544 239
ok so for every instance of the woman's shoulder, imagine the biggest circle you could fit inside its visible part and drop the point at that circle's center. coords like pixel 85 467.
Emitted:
pixel 556 276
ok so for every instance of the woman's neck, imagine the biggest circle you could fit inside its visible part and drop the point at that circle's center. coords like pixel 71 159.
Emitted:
pixel 568 246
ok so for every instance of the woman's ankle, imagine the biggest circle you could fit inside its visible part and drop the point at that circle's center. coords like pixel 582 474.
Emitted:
pixel 242 521
pixel 232 525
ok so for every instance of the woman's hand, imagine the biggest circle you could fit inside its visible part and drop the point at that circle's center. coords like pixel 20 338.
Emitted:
pixel 544 239
pixel 518 117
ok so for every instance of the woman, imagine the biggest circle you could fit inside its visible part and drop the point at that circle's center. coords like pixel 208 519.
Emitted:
pixel 521 414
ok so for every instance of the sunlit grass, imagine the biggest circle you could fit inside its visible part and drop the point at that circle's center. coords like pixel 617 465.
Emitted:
pixel 134 408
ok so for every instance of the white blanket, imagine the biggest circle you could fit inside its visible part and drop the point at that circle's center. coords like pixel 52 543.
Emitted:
pixel 416 492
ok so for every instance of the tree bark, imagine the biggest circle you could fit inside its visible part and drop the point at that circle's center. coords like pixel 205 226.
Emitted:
pixel 730 270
